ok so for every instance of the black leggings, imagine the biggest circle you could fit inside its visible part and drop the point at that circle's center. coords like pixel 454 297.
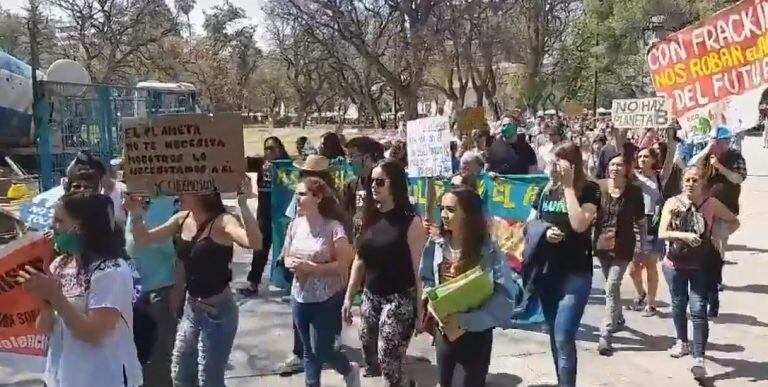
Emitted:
pixel 472 351
pixel 260 257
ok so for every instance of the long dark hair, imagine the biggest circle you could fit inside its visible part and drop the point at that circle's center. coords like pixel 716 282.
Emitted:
pixel 398 188
pixel 474 230
pixel 330 146
pixel 328 206
pixel 282 154
pixel 211 203
pixel 102 239
pixel 571 153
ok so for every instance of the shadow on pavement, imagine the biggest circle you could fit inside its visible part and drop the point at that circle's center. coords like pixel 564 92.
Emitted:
pixel 751 370
pixel 642 342
pixel 734 248
pixel 753 288
pixel 736 318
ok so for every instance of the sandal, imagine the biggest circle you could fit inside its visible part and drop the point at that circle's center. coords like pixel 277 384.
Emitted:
pixel 252 290
pixel 649 311
pixel 638 304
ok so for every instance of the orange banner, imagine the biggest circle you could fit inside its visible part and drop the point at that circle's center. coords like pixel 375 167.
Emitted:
pixel 713 69
pixel 18 310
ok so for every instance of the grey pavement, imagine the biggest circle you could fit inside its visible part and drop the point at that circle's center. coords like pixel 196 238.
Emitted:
pixel 737 354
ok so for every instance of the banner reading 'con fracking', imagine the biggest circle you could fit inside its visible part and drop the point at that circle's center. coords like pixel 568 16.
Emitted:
pixel 713 73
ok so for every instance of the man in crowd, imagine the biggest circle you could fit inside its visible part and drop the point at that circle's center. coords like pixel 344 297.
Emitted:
pixel 726 170
pixel 363 152
pixel 510 154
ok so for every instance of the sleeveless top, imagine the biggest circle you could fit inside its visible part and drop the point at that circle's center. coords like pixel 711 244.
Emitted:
pixel 651 187
pixel 206 263
pixel 387 256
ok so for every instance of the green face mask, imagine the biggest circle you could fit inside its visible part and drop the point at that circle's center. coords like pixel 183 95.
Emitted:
pixel 509 131
pixel 68 243
pixel 357 167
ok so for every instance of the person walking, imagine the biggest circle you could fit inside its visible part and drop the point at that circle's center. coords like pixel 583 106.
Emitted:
pixel 204 237
pixel 692 263
pixel 651 181
pixel 319 254
pixel 274 150
pixel 388 252
pixel 622 210
pixel 463 244
pixel 363 152
pixel 569 203
pixel 88 298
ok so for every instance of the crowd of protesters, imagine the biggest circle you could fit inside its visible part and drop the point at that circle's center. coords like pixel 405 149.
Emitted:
pixel 629 198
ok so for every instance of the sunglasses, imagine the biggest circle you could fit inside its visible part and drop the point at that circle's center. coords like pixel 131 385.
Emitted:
pixel 379 182
pixel 691 180
pixel 302 194
pixel 269 149
pixel 80 187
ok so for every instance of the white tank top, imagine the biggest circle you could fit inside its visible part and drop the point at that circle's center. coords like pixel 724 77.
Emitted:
pixel 651 192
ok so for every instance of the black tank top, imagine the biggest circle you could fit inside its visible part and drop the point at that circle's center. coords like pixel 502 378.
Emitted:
pixel 206 263
pixel 384 250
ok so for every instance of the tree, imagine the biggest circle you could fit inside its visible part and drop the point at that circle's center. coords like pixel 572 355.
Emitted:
pixel 14 37
pixel 185 8
pixel 108 35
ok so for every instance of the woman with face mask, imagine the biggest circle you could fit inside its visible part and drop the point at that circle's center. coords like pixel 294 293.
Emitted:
pixel 621 212
pixel 388 252
pixel 691 263
pixel 88 298
pixel 463 244
pixel 204 237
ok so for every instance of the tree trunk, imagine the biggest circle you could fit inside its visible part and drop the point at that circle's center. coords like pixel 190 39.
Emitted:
pixel 410 101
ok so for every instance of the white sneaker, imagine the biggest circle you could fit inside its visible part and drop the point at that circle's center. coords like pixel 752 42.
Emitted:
pixel 680 349
pixel 698 370
pixel 352 379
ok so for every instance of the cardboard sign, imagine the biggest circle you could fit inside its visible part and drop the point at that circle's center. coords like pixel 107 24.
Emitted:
pixel 38 214
pixel 21 343
pixel 429 147
pixel 470 119
pixel 185 153
pixel 640 113
pixel 716 69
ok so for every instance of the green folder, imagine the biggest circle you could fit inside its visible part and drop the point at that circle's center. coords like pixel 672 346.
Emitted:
pixel 461 294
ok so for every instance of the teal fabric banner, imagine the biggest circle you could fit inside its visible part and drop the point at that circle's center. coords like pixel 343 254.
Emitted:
pixel 507 200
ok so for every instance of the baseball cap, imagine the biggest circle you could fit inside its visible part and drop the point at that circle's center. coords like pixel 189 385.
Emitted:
pixel 723 133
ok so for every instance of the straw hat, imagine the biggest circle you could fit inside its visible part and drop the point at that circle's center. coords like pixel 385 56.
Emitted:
pixel 313 163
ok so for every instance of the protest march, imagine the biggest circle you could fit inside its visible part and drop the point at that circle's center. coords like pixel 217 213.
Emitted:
pixel 262 233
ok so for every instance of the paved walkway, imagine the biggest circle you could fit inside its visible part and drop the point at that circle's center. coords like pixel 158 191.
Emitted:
pixel 737 354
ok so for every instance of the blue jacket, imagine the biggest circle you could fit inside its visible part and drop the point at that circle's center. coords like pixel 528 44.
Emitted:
pixel 507 289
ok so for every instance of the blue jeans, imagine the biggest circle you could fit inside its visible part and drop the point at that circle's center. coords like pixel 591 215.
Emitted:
pixel 318 323
pixel 563 299
pixel 203 343
pixel 678 282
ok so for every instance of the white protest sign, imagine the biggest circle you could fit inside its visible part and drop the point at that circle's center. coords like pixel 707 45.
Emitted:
pixel 185 153
pixel 640 113
pixel 429 147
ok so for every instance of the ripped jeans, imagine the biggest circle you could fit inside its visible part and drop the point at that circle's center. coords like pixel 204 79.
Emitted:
pixel 203 343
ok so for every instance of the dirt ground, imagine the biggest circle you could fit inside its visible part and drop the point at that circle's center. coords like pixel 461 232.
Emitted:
pixel 254 137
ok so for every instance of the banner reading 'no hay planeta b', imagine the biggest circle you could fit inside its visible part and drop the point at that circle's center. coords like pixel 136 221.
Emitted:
pixel 713 73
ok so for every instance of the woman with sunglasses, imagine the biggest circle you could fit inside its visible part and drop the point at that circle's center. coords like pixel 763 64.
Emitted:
pixel 686 225
pixel 463 244
pixel 319 254
pixel 651 181
pixel 274 150
pixel 569 203
pixel 204 235
pixel 389 249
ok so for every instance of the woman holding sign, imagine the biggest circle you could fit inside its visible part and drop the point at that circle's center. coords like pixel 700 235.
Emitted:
pixel 204 234
pixel 389 249
pixel 464 244
pixel 89 294
pixel 569 204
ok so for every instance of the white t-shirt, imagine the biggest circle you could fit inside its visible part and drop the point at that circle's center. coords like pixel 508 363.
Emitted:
pixel 117 200
pixel 72 362
pixel 544 156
